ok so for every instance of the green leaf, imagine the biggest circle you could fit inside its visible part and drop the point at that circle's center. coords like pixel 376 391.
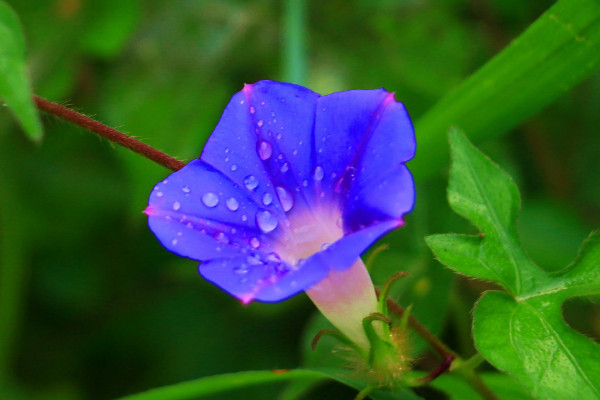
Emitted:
pixel 520 331
pixel 502 385
pixel 211 385
pixel 15 89
pixel 559 50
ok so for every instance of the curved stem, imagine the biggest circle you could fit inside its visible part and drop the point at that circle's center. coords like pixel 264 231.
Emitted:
pixel 109 133
pixel 465 371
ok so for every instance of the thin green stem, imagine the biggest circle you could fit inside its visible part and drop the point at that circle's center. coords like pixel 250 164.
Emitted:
pixel 294 34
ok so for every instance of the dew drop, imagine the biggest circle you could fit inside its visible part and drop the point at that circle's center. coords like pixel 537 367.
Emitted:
pixel 260 123
pixel 250 182
pixel 285 198
pixel 234 167
pixel 186 189
pixel 222 237
pixel 264 150
pixel 226 150
pixel 318 173
pixel 176 205
pixel 174 242
pixel 325 246
pixel 252 110
pixel 267 199
pixel 255 243
pixel 244 218
pixel 305 183
pixel 273 257
pixel 210 199
pixel 232 204
pixel 254 260
pixel 285 168
pixel 159 194
pixel 189 225
pixel 241 270
pixel 266 221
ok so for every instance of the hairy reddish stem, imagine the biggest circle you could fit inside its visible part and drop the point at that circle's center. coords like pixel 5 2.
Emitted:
pixel 109 133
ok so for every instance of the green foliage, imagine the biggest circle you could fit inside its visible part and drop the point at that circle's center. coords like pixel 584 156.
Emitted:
pixel 502 385
pixel 92 308
pixel 520 331
pixel 211 385
pixel 556 52
pixel 15 89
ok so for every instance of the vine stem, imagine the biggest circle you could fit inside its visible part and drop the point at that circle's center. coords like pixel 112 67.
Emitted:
pixel 108 133
pixel 458 366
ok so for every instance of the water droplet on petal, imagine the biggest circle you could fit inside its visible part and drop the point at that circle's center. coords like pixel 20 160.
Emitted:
pixel 254 259
pixel 159 194
pixel 285 198
pixel 254 242
pixel 266 221
pixel 176 205
pixel 325 246
pixel 186 189
pixel 244 218
pixel 273 257
pixel 260 123
pixel 174 242
pixel 252 110
pixel 267 199
pixel 222 237
pixel 264 150
pixel 250 182
pixel 305 183
pixel 232 204
pixel 226 150
pixel 285 168
pixel 234 167
pixel 210 199
pixel 241 270
pixel 318 173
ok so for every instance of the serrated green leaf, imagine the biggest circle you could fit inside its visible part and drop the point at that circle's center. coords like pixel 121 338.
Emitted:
pixel 520 331
pixel 556 52
pixel 481 192
pixel 530 340
pixel 15 89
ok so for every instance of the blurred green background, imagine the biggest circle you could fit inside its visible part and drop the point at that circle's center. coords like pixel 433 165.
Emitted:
pixel 92 307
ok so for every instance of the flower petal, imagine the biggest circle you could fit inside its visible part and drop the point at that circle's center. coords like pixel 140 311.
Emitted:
pixel 254 277
pixel 197 212
pixel 363 137
pixel 261 208
pixel 264 137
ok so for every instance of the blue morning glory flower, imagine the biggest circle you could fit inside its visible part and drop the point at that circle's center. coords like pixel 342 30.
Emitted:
pixel 290 189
